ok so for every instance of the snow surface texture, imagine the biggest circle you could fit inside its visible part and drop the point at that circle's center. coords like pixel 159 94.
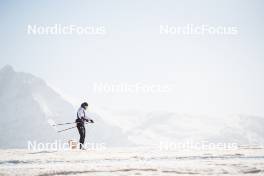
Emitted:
pixel 133 161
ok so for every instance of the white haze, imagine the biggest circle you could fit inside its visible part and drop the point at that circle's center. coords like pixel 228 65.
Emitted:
pixel 33 102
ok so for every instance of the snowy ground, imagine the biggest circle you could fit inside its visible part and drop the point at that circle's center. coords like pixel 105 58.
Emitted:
pixel 133 161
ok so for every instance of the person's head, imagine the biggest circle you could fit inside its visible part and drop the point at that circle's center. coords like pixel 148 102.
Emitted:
pixel 84 105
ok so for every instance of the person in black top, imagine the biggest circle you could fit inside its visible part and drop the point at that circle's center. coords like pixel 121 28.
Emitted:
pixel 81 119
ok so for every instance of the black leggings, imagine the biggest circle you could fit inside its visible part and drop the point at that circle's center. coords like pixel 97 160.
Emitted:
pixel 81 130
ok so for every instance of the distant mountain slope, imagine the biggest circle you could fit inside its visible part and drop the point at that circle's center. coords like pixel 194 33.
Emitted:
pixel 172 127
pixel 26 104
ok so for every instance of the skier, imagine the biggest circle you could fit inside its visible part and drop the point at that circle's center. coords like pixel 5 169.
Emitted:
pixel 81 119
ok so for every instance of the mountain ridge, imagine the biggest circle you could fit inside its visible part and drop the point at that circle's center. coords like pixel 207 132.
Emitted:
pixel 26 105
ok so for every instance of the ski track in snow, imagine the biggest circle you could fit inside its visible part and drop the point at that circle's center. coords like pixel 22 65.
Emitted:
pixel 133 161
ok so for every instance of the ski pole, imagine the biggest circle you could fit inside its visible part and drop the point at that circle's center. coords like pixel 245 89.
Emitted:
pixel 64 123
pixel 66 129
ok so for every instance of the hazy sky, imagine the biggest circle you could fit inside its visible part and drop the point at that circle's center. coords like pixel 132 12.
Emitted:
pixel 210 74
